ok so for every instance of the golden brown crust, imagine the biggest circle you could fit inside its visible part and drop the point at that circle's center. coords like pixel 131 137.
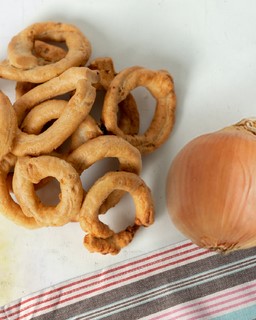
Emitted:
pixel 128 116
pixel 113 244
pixel 107 241
pixel 29 171
pixel 23 65
pixel 160 85
pixel 76 78
pixel 49 133
pixel 107 147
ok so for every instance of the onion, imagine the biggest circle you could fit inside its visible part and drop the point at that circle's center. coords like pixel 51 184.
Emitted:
pixel 211 188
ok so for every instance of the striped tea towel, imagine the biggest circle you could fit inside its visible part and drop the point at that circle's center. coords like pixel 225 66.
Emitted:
pixel 180 281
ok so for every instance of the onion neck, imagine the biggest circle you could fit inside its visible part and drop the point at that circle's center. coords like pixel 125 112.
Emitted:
pixel 247 124
pixel 222 248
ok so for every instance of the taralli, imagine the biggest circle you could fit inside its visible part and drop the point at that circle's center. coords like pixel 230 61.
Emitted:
pixel 29 171
pixel 77 109
pixel 8 125
pixel 160 85
pixel 68 115
pixel 128 118
pixel 23 65
pixel 107 147
pixel 8 207
pixel 101 238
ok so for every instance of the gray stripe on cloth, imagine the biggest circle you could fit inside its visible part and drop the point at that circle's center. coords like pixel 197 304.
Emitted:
pixel 175 289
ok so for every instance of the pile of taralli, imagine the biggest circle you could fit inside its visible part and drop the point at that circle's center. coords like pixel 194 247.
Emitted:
pixel 56 88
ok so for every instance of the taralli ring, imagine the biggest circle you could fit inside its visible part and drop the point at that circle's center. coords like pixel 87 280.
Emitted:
pixel 160 85
pixel 78 107
pixel 29 171
pixel 69 114
pixel 107 147
pixel 100 237
pixel 8 207
pixel 23 65
pixel 128 118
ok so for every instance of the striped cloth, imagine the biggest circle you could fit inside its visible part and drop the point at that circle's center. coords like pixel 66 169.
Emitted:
pixel 180 281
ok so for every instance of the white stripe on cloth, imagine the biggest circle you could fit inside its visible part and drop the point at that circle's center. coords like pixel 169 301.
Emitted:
pixel 116 276
pixel 217 304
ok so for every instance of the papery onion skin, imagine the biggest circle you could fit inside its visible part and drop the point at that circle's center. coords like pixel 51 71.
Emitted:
pixel 211 189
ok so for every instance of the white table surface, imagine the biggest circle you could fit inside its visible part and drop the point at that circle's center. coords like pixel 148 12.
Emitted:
pixel 210 49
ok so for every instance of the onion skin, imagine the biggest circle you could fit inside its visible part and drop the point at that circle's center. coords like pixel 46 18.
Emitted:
pixel 211 189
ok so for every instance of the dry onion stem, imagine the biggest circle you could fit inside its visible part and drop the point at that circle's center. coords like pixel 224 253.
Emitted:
pixel 211 188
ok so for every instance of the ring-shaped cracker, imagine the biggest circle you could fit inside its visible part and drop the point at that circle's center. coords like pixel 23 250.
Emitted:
pixel 8 125
pixel 23 65
pixel 100 237
pixel 160 85
pixel 8 207
pixel 75 112
pixel 128 116
pixel 107 147
pixel 29 171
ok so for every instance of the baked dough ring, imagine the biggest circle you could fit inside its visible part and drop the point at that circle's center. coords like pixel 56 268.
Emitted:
pixel 107 147
pixel 160 85
pixel 74 113
pixel 29 171
pixel 8 207
pixel 8 125
pixel 23 65
pixel 128 119
pixel 128 116
pixel 100 237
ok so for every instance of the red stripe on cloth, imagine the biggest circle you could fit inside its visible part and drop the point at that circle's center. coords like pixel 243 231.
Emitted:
pixel 104 286
pixel 207 310
pixel 74 283
pixel 208 306
pixel 234 305
pixel 100 274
